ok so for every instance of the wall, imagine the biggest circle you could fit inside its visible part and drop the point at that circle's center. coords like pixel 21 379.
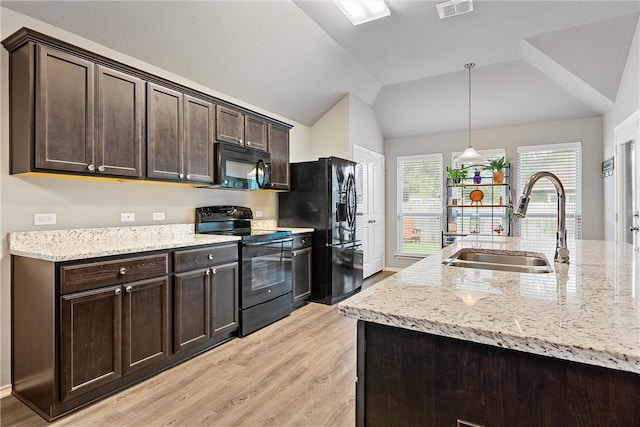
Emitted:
pixel 351 121
pixel 588 131
pixel 627 102
pixel 330 134
pixel 87 203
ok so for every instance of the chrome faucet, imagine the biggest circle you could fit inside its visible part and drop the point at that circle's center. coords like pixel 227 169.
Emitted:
pixel 562 253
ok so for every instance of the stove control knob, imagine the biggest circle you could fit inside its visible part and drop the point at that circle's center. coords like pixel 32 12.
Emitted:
pixel 210 256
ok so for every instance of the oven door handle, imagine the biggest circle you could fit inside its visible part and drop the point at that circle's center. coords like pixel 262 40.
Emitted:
pixel 267 242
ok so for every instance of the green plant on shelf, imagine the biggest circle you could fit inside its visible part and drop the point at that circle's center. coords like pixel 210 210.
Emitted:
pixel 496 165
pixel 457 175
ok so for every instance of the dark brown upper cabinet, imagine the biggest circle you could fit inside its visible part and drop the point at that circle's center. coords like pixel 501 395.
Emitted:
pixel 255 131
pixel 279 148
pixel 120 123
pixel 88 118
pixel 199 128
pixel 76 112
pixel 236 127
pixel 64 111
pixel 165 114
pixel 179 136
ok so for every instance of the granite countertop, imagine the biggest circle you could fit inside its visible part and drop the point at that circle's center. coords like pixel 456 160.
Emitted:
pixel 587 311
pixel 66 245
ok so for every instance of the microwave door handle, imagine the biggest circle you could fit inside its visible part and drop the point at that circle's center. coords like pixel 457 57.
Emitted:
pixel 258 168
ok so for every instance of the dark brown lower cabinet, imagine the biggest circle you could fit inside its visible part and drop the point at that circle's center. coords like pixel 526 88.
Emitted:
pixel 113 331
pixel 84 329
pixel 408 378
pixel 205 305
pixel 301 269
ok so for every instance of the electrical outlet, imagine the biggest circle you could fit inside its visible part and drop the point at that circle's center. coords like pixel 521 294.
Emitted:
pixel 127 216
pixel 258 214
pixel 44 219
pixel 158 216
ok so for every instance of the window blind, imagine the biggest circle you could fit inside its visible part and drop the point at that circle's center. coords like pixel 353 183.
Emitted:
pixel 564 161
pixel 419 202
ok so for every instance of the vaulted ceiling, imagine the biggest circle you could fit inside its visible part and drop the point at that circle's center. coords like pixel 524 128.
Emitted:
pixel 536 60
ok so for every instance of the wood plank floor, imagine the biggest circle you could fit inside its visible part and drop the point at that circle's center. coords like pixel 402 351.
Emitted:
pixel 299 371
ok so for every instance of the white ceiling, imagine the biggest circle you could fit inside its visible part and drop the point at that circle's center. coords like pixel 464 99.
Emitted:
pixel 536 61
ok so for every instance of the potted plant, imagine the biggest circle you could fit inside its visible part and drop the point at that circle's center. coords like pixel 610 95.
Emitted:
pixel 497 166
pixel 456 175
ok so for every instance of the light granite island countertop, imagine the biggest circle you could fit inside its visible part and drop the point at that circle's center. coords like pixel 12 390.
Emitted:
pixel 587 311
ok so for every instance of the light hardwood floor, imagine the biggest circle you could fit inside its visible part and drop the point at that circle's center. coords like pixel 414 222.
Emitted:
pixel 299 371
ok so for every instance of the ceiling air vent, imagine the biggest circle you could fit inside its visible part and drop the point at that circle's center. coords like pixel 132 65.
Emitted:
pixel 454 7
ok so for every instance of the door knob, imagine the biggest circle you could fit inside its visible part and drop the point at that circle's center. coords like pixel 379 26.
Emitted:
pixel 636 228
pixel 636 215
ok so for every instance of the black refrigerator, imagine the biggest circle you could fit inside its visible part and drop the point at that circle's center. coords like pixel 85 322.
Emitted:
pixel 323 196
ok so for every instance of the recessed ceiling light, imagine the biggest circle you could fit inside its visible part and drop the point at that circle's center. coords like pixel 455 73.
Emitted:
pixel 361 11
pixel 454 7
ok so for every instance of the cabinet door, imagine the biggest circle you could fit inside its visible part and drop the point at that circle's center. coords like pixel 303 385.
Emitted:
pixel 91 337
pixel 146 323
pixel 164 132
pixel 64 111
pixel 301 275
pixel 255 132
pixel 224 298
pixel 279 148
pixel 198 139
pixel 190 309
pixel 120 117
pixel 229 125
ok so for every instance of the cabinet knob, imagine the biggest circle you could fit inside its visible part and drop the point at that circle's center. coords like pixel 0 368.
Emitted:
pixel 128 289
pixel 123 270
pixel 213 270
pixel 303 241
pixel 118 291
pixel 210 256
pixel 207 272
pixel 101 168
pixel 240 141
pixel 181 176
pixel 91 168
pixel 294 254
pixel 188 176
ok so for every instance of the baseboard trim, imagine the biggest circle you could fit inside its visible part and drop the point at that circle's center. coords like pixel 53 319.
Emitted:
pixel 5 391
pixel 391 269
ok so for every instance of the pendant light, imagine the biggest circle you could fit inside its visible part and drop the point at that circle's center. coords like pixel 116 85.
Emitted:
pixel 470 156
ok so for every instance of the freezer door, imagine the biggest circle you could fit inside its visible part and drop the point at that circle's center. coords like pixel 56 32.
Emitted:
pixel 346 271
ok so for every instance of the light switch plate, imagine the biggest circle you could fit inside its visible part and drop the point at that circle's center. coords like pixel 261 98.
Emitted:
pixel 158 216
pixel 258 214
pixel 44 219
pixel 127 216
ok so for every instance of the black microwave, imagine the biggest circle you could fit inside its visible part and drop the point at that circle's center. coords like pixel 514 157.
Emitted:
pixel 240 167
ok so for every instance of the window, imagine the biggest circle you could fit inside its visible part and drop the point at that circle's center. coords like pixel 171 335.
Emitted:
pixel 420 181
pixel 564 161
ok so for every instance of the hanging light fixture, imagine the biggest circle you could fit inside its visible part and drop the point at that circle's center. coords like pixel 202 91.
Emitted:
pixel 470 156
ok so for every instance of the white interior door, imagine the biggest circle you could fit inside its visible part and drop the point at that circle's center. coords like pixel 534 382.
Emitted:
pixel 627 162
pixel 370 216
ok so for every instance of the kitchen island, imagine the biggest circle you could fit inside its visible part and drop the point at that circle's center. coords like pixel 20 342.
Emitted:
pixel 439 344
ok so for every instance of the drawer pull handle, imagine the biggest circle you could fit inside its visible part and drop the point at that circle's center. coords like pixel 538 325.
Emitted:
pixel 210 256
pixel 123 270
pixel 118 291
pixel 128 289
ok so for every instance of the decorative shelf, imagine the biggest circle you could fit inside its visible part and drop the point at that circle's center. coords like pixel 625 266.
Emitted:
pixel 477 206
pixel 476 185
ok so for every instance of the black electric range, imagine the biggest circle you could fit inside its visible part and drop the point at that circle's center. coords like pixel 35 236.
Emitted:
pixel 265 264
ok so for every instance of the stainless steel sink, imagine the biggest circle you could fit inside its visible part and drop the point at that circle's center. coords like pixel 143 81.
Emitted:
pixel 487 259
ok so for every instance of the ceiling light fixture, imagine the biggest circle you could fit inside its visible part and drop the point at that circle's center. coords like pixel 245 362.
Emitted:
pixel 470 156
pixel 454 7
pixel 361 11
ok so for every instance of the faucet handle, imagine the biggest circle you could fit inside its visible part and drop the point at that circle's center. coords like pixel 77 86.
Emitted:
pixel 562 255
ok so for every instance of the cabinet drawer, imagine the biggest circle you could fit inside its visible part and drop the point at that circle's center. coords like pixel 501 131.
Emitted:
pixel 192 259
pixel 93 275
pixel 301 241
